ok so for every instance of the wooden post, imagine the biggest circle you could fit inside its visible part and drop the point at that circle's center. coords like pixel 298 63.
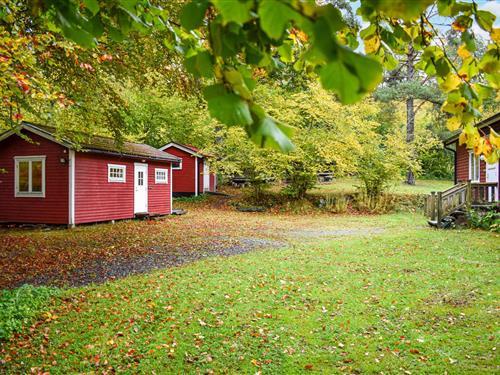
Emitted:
pixel 468 196
pixel 439 207
pixel 432 206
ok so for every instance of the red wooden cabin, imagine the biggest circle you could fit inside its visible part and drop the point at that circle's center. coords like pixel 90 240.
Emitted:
pixel 468 166
pixel 48 179
pixel 192 175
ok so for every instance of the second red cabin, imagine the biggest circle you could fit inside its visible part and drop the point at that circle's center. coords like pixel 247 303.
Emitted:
pixel 192 175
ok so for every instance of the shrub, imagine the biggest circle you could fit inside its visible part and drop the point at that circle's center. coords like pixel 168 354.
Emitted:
pixel 299 182
pixel 489 220
pixel 335 203
pixel 382 163
pixel 18 307
pixel 379 204
pixel 192 199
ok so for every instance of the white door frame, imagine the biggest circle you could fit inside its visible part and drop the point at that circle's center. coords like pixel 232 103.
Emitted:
pixel 71 181
pixel 196 183
pixel 495 179
pixel 206 176
pixel 141 209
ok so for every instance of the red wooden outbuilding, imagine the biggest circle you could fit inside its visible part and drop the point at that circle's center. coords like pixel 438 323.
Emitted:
pixel 469 166
pixel 49 179
pixel 192 175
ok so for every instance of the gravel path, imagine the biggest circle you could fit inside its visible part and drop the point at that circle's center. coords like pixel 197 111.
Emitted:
pixel 158 257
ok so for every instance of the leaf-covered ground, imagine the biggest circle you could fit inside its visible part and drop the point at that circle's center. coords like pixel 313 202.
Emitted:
pixel 365 294
pixel 97 253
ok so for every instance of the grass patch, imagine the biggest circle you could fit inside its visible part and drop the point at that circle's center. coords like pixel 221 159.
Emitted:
pixel 408 299
pixel 19 307
pixel 192 199
pixel 348 185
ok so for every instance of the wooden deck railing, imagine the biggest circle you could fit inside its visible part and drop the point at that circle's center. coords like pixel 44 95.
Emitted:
pixel 463 195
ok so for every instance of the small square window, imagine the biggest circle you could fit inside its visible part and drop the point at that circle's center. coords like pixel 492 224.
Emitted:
pixel 161 176
pixel 116 173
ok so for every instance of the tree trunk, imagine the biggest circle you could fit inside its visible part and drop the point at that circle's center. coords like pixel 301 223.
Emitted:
pixel 410 110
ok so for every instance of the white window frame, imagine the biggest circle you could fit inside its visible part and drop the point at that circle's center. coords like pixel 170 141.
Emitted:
pixel 117 179
pixel 474 166
pixel 164 170
pixel 177 168
pixel 29 194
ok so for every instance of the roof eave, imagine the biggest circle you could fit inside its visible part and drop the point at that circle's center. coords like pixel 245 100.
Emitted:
pixel 127 155
pixel 486 122
pixel 35 130
pixel 182 148
pixel 45 134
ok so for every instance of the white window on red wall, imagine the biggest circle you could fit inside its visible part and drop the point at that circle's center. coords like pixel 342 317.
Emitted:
pixel 117 173
pixel 161 176
pixel 177 165
pixel 474 167
pixel 29 176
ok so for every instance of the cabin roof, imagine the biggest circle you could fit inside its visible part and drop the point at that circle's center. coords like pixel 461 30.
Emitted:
pixel 490 121
pixel 187 148
pixel 94 143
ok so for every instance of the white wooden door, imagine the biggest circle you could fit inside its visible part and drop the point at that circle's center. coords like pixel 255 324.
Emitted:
pixel 206 177
pixel 140 188
pixel 492 176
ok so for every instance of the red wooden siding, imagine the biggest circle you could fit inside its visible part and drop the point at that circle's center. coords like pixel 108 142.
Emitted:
pixel 463 165
pixel 96 199
pixel 213 182
pixel 158 194
pixel 184 179
pixel 53 208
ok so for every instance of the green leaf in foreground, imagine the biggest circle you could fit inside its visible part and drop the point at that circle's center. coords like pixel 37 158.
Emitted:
pixel 336 77
pixel 274 16
pixel 267 132
pixel 234 10
pixel 92 5
pixel 200 64
pixel 193 13
pixel 227 107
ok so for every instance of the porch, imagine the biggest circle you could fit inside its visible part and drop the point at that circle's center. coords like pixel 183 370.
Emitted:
pixel 461 197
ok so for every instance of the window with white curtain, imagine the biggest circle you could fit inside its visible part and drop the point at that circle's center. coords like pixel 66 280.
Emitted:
pixel 474 167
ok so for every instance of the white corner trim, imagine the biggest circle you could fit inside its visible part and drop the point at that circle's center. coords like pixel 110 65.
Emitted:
pixel 29 158
pixel 196 184
pixel 71 203
pixel 171 187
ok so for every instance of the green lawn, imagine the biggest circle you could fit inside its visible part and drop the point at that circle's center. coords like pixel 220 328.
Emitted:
pixel 347 185
pixel 402 298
